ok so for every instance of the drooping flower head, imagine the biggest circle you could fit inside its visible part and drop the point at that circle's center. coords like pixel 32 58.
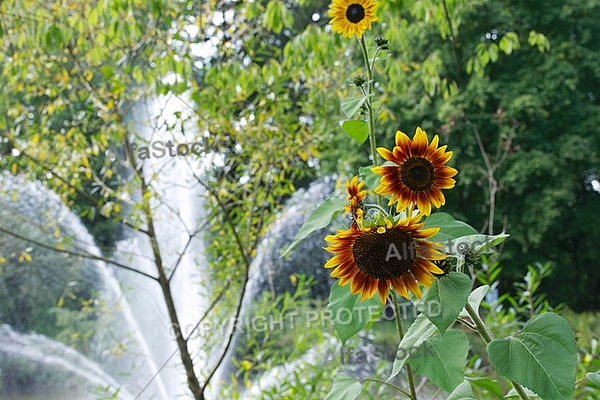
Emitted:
pixel 375 258
pixel 352 17
pixel 418 173
pixel 356 196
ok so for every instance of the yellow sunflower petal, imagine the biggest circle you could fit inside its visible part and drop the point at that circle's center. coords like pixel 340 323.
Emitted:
pixel 383 287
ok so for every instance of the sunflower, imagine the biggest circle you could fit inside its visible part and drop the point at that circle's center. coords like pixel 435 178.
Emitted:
pixel 419 172
pixel 375 258
pixel 356 196
pixel 352 17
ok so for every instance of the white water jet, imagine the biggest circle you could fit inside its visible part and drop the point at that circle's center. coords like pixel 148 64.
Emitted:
pixel 178 217
pixel 52 354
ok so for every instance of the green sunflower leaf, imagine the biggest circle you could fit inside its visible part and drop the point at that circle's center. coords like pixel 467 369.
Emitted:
pixel 542 357
pixel 476 243
pixel 348 313
pixel 356 129
pixel 419 331
pixel 513 394
pixel 450 228
pixel 490 385
pixel 445 299
pixel 320 218
pixel 449 353
pixel 594 377
pixel 462 392
pixel 351 105
pixel 344 388
pixel 475 299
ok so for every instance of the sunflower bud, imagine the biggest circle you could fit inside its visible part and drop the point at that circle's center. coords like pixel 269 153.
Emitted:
pixel 359 81
pixel 382 43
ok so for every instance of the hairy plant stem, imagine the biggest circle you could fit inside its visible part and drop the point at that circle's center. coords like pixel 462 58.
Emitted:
pixel 369 106
pixel 487 337
pixel 396 388
pixel 409 372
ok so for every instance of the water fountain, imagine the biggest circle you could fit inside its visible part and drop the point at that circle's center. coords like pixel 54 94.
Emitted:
pixel 179 212
pixel 65 370
pixel 29 209
pixel 151 366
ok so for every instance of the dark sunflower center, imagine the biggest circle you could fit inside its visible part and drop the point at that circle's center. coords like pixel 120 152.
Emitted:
pixel 417 174
pixel 355 13
pixel 384 255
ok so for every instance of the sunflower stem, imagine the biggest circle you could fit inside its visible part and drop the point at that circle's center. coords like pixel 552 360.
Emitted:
pixel 409 372
pixel 487 337
pixel 369 104
pixel 396 388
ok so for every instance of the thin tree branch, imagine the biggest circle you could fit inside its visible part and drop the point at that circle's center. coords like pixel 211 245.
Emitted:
pixel 76 254
pixel 244 283
pixel 452 40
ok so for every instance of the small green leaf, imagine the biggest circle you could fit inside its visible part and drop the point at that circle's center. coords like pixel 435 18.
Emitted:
pixel 477 243
pixel 462 392
pixel 532 40
pixel 450 228
pixel 420 330
pixel 54 37
pixel 450 294
pixel 351 105
pixel 320 218
pixel 594 377
pixel 286 16
pixel 475 299
pixel 344 388
pixel 505 45
pixel 489 385
pixel 273 18
pixel 348 313
pixel 513 394
pixel 542 356
pixel 448 368
pixel 493 52
pixel 356 129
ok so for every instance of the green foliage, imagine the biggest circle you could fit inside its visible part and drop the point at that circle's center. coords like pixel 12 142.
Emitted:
pixel 447 368
pixel 475 299
pixel 356 314
pixel 66 86
pixel 542 356
pixel 351 105
pixel 594 377
pixel 536 133
pixel 511 88
pixel 451 293
pixel 450 228
pixel 357 130
pixel 462 392
pixel 48 294
pixel 418 332
pixel 344 387
pixel 321 217
pixel 279 334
